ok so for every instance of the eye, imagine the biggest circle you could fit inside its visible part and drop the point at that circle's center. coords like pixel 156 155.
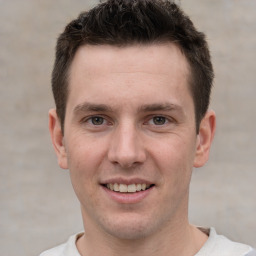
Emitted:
pixel 159 120
pixel 96 120
pixel 96 123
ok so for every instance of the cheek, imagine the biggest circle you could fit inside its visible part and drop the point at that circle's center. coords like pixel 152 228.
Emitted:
pixel 83 163
pixel 175 151
pixel 83 153
pixel 175 160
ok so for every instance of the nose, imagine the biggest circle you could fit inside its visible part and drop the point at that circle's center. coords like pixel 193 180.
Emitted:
pixel 126 147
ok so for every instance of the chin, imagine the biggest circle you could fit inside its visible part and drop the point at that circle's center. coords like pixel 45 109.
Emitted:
pixel 128 233
pixel 129 228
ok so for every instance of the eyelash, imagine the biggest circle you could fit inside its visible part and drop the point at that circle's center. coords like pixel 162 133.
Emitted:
pixel 90 120
pixel 160 118
pixel 150 120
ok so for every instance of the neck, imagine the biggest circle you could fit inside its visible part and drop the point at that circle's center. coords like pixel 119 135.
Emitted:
pixel 181 239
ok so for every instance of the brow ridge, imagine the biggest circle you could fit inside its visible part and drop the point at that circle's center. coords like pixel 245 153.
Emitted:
pixel 84 107
pixel 87 107
pixel 159 107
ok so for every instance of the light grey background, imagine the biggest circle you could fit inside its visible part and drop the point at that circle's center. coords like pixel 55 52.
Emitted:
pixel 38 207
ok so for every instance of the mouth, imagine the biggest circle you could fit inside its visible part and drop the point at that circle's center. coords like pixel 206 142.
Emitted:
pixel 130 188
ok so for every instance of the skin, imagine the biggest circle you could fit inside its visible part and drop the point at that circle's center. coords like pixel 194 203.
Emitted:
pixel 130 117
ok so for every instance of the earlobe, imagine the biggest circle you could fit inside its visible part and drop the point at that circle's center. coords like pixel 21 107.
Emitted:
pixel 204 138
pixel 57 139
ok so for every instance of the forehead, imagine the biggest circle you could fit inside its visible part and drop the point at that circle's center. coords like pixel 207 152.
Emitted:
pixel 141 72
pixel 145 58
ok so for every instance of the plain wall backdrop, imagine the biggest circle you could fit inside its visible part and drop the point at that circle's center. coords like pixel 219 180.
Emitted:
pixel 38 206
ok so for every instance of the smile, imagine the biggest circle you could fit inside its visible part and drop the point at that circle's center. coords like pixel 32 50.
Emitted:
pixel 131 188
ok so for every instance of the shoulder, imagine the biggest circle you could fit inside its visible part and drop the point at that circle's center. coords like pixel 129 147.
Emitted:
pixel 66 249
pixel 251 253
pixel 220 245
pixel 56 251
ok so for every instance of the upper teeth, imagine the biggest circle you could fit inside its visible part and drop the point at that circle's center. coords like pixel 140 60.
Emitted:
pixel 127 188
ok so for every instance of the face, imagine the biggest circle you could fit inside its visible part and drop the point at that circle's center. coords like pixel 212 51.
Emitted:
pixel 130 139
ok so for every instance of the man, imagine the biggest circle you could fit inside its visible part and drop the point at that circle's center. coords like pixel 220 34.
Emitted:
pixel 131 82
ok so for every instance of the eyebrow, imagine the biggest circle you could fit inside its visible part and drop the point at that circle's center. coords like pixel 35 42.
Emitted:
pixel 159 107
pixel 85 107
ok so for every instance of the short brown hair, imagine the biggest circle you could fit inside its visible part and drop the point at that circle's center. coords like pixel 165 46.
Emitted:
pixel 127 22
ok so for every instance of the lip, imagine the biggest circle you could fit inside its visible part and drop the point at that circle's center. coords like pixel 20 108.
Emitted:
pixel 127 198
pixel 126 181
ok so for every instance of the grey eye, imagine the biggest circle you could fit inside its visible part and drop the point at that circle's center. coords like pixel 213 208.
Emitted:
pixel 159 120
pixel 97 120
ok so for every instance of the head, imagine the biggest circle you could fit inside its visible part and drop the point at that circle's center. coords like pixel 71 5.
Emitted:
pixel 135 22
pixel 132 81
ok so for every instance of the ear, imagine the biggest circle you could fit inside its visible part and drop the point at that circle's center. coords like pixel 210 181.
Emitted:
pixel 57 139
pixel 204 138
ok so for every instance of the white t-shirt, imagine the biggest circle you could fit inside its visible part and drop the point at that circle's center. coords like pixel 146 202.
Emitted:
pixel 216 245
